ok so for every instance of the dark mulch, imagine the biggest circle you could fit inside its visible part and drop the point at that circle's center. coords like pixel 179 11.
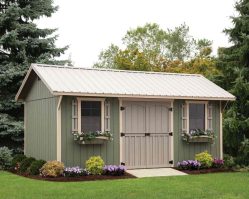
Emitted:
pixel 204 171
pixel 76 179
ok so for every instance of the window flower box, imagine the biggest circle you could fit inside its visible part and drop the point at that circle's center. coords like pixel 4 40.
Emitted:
pixel 198 136
pixel 92 137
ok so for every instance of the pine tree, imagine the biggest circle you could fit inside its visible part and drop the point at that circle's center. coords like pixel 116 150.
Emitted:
pixel 21 43
pixel 234 64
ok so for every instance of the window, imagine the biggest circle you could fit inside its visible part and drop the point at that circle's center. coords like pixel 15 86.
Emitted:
pixel 90 115
pixel 196 115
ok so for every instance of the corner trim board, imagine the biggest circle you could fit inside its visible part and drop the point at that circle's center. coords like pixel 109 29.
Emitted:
pixel 58 127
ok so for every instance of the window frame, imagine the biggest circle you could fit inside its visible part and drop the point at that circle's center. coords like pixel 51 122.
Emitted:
pixel 206 112
pixel 102 100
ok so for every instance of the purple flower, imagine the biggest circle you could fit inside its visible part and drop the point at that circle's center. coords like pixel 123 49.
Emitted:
pixel 188 164
pixel 113 170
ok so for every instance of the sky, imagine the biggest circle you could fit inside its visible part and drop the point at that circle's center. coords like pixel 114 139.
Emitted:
pixel 89 26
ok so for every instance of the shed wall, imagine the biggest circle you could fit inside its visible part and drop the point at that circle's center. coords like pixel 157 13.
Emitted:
pixel 74 154
pixel 186 151
pixel 40 122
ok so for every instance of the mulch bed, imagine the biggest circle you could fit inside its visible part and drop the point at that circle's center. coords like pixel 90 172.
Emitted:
pixel 76 179
pixel 204 171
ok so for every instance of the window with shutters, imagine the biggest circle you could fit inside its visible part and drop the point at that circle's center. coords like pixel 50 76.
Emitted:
pixel 90 115
pixel 196 115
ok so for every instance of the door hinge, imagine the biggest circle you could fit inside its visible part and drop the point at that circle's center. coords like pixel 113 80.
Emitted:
pixel 122 108
pixel 170 133
pixel 170 109
pixel 147 134
pixel 122 134
pixel 171 162
pixel 122 163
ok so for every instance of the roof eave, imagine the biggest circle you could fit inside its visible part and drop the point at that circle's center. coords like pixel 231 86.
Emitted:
pixel 56 93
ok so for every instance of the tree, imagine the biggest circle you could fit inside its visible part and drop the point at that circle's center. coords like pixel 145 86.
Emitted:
pixel 21 43
pixel 233 63
pixel 151 48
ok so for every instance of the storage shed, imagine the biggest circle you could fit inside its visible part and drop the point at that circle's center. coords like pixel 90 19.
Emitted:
pixel 153 119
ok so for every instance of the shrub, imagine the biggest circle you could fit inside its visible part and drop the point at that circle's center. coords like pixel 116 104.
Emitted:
pixel 52 169
pixel 218 163
pixel 25 164
pixel 205 159
pixel 5 158
pixel 189 165
pixel 15 164
pixel 228 161
pixel 75 172
pixel 35 167
pixel 114 170
pixel 95 165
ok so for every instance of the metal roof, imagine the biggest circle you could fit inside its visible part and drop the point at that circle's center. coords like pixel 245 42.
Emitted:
pixel 64 80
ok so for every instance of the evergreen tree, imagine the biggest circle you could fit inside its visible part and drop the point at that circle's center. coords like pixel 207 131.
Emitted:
pixel 234 65
pixel 21 43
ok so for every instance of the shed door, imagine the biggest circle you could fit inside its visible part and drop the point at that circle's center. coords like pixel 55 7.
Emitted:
pixel 145 143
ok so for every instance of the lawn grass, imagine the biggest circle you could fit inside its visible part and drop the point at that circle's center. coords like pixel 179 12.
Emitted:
pixel 220 185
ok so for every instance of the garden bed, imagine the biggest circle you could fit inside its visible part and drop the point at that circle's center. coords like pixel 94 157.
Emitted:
pixel 76 179
pixel 205 171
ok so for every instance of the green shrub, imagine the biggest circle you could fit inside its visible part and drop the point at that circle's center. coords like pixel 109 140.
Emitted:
pixel 15 164
pixel 95 165
pixel 25 164
pixel 5 158
pixel 205 159
pixel 228 161
pixel 35 167
pixel 52 169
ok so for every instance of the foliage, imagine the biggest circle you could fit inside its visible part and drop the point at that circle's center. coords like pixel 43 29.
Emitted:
pixel 25 164
pixel 205 159
pixel 217 163
pixel 15 163
pixel 150 48
pixel 189 165
pixel 52 169
pixel 75 172
pixel 114 170
pixel 228 161
pixel 21 43
pixel 5 158
pixel 35 167
pixel 243 158
pixel 95 165
pixel 92 135
pixel 233 62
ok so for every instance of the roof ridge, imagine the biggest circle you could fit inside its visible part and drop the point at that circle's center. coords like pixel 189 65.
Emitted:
pixel 115 70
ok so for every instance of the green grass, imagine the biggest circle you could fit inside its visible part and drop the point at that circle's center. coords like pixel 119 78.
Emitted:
pixel 223 185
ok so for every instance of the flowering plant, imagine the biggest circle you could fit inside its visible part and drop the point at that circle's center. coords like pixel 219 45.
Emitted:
pixel 75 172
pixel 84 136
pixel 189 165
pixel 114 170
pixel 196 134
pixel 217 163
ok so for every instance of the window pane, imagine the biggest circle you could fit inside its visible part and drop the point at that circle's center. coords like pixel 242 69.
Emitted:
pixel 90 116
pixel 196 116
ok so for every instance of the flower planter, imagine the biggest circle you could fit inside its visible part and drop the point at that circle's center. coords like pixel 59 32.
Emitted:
pixel 201 138
pixel 97 140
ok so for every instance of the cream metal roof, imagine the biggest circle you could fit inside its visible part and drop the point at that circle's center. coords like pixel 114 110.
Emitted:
pixel 62 80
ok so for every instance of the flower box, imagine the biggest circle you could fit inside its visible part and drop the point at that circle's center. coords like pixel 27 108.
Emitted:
pixel 201 138
pixel 97 140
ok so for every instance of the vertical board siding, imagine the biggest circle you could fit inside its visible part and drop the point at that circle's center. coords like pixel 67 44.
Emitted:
pixel 74 154
pixel 187 151
pixel 40 122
